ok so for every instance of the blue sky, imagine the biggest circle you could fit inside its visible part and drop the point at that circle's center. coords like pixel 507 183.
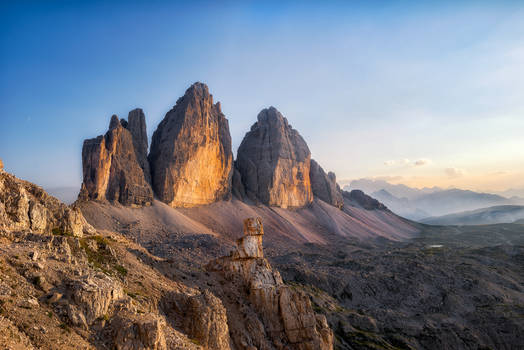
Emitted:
pixel 424 93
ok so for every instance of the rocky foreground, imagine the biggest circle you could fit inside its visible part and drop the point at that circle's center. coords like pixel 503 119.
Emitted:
pixel 65 285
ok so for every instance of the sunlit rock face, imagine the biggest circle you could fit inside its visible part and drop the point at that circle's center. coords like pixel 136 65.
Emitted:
pixel 191 158
pixel 287 314
pixel 115 166
pixel 274 161
pixel 325 186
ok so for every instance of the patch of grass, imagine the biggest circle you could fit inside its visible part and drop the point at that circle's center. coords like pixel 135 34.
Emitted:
pixel 65 327
pixel 195 341
pixel 49 314
pixel 59 232
pixel 131 294
pixel 121 270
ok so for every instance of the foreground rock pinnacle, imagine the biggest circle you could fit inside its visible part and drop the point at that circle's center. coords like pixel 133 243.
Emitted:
pixel 287 314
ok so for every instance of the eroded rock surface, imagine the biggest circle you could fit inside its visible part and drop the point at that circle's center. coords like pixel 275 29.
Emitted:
pixel 205 318
pixel 287 314
pixel 115 166
pixel 25 206
pixel 191 158
pixel 92 297
pixel 325 186
pixel 274 161
pixel 138 331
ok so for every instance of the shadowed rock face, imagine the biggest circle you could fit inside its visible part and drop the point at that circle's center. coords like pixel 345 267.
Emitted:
pixel 274 160
pixel 136 124
pixel 325 186
pixel 115 166
pixel 365 201
pixel 191 158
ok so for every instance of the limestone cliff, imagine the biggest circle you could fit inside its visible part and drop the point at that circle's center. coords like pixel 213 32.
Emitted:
pixel 115 166
pixel 191 158
pixel 274 161
pixel 286 314
pixel 325 186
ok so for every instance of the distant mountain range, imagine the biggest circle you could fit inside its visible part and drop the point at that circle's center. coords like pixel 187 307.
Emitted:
pixel 485 216
pixel 418 204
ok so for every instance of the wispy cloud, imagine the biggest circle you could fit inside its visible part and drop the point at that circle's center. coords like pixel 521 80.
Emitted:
pixel 390 162
pixel 454 173
pixel 407 162
pixel 421 162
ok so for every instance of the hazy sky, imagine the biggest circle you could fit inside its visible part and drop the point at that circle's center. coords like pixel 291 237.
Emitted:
pixel 424 92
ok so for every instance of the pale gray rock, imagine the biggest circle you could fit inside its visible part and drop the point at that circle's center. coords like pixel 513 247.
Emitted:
pixel 133 331
pixel 273 161
pixel 25 206
pixel 287 314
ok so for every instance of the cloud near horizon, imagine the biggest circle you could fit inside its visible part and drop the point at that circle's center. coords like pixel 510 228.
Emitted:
pixel 454 173
pixel 407 162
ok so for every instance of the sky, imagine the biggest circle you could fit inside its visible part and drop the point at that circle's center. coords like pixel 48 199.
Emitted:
pixel 423 93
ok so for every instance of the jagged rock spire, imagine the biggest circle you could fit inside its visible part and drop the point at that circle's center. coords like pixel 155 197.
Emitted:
pixel 191 157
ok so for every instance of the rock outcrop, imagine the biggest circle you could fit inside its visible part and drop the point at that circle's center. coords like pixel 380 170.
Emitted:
pixel 92 297
pixel 363 200
pixel 325 186
pixel 287 314
pixel 138 331
pixel 205 318
pixel 25 206
pixel 274 160
pixel 191 158
pixel 115 165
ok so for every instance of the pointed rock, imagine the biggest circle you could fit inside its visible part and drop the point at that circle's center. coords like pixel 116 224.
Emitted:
pixel 191 158
pixel 115 167
pixel 136 124
pixel 274 160
pixel 325 186
pixel 287 314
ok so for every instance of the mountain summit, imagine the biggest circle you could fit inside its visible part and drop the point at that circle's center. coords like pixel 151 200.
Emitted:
pixel 274 161
pixel 191 158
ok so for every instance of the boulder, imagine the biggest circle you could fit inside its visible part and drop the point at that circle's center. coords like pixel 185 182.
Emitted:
pixel 207 321
pixel 191 158
pixel 325 186
pixel 91 297
pixel 274 161
pixel 115 166
pixel 133 331
pixel 205 318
